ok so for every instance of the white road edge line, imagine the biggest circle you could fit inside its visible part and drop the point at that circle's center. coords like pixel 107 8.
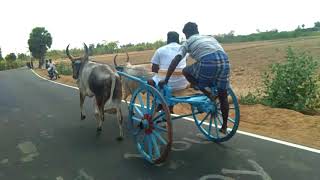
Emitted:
pixel 238 131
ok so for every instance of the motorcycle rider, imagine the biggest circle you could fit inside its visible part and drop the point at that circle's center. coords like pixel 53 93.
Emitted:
pixel 52 68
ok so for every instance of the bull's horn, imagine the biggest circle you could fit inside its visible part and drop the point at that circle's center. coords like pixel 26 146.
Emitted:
pixel 127 56
pixel 86 51
pixel 114 60
pixel 68 54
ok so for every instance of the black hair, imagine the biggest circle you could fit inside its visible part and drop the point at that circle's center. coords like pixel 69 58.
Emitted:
pixel 190 29
pixel 172 36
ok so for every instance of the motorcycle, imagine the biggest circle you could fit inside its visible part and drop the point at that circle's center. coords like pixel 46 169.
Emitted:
pixel 52 74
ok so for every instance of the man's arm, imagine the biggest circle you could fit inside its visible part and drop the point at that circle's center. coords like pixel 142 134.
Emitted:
pixel 172 67
pixel 155 60
pixel 155 68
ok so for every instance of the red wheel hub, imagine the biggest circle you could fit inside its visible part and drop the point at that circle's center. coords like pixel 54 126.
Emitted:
pixel 150 127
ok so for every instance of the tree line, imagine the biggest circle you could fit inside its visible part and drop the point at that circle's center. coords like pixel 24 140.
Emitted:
pixel 40 41
pixel 270 35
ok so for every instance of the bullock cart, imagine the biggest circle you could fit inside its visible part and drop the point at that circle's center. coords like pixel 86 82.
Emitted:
pixel 152 128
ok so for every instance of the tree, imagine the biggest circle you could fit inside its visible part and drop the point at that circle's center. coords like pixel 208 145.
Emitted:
pixel 298 28
pixel 1 58
pixel 22 56
pixel 11 57
pixel 303 26
pixel 91 49
pixel 39 42
pixel 317 25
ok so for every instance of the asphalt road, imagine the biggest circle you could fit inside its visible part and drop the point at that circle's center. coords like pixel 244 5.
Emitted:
pixel 42 137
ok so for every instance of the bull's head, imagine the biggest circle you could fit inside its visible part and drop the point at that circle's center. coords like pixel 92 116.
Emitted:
pixel 78 61
pixel 127 62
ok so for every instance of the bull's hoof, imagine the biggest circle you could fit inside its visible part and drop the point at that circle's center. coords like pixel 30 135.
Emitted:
pixel 120 138
pixel 83 117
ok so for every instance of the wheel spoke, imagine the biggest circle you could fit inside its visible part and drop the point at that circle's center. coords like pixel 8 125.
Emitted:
pixel 210 125
pixel 160 128
pixel 155 145
pixel 141 140
pixel 136 119
pixel 219 119
pixel 229 119
pixel 150 147
pixel 138 111
pixel 141 103
pixel 157 135
pixel 216 127
pixel 158 117
pixel 147 102
pixel 135 125
pixel 204 119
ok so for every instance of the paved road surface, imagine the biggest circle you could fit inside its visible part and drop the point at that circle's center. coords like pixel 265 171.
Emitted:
pixel 42 137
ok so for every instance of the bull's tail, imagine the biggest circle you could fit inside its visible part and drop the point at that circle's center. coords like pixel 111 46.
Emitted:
pixel 113 85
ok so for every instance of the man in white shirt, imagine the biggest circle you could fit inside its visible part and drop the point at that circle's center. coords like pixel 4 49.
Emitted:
pixel 161 61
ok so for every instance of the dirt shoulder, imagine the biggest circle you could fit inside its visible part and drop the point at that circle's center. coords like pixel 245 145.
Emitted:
pixel 282 124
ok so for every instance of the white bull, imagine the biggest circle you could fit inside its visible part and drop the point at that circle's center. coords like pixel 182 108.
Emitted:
pixel 100 81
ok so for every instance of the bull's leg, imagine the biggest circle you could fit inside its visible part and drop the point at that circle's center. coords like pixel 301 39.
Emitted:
pixel 120 123
pixel 82 98
pixel 126 91
pixel 97 115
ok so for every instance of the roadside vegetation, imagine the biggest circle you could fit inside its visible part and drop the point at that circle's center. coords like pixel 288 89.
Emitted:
pixel 64 68
pixel 11 61
pixel 293 84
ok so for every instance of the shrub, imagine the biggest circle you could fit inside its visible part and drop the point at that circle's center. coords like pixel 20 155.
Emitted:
pixel 64 68
pixel 293 84
pixel 2 65
pixel 6 65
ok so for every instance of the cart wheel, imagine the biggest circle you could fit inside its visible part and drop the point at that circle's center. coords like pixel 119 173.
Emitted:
pixel 210 122
pixel 151 130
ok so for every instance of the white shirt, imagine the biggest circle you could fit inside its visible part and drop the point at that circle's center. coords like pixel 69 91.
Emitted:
pixel 52 66
pixel 163 57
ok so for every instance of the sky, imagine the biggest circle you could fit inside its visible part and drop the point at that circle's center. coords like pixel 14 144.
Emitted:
pixel 133 21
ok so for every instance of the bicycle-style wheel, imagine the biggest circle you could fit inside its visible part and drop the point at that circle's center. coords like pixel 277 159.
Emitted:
pixel 151 130
pixel 210 122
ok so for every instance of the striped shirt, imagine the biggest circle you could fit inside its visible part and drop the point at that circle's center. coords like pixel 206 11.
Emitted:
pixel 199 45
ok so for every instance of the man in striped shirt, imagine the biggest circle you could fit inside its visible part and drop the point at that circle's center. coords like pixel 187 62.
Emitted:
pixel 210 69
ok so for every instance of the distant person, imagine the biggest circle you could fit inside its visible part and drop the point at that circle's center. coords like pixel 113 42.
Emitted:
pixel 161 61
pixel 52 68
pixel 211 67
